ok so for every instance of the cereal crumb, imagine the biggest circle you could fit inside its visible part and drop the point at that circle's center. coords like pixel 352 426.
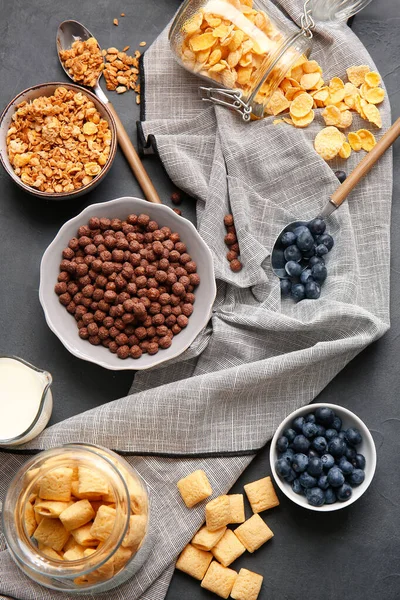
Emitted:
pixel 137 99
pixel 115 21
pixel 126 49
pixel 142 44
pixel 122 14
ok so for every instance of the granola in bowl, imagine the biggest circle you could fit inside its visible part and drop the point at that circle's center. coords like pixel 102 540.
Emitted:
pixel 57 143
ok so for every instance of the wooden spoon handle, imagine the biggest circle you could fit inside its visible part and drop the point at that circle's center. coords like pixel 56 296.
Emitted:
pixel 366 164
pixel 133 159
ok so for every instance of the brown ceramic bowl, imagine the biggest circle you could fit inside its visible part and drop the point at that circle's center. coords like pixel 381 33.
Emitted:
pixel 47 89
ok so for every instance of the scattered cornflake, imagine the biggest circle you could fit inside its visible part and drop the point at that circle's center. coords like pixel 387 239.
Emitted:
pixel 142 44
pixel 354 141
pixel 345 150
pixel 372 79
pixel 137 99
pixel 115 21
pixel 126 49
pixel 277 121
pixel 122 14
pixel 356 75
pixel 367 139
pixel 328 142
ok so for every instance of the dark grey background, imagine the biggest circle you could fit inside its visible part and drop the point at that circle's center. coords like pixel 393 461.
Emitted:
pixel 353 554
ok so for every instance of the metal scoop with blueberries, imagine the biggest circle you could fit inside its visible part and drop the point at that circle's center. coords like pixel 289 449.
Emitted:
pixel 297 256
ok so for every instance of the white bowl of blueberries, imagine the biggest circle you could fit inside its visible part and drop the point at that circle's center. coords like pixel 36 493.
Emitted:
pixel 323 457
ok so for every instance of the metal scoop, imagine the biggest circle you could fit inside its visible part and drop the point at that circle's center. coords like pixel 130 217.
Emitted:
pixel 72 31
pixel 338 197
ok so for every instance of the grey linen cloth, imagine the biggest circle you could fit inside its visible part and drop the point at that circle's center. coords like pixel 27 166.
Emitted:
pixel 260 357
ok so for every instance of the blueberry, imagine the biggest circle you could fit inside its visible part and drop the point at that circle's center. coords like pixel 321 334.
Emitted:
pixel 321 250
pixel 321 430
pixel 288 239
pixel 301 444
pixel 330 434
pixel 306 274
pixel 319 273
pixel 336 447
pixel 316 260
pixel 291 476
pixel 314 467
pixel 342 435
pixel 356 477
pixel 309 430
pixel 282 467
pixel 305 240
pixel 313 289
pixel 344 492
pixel 282 444
pixel 317 226
pixel 313 453
pixel 310 253
pixel 353 436
pixel 341 175
pixel 335 477
pixel 292 253
pixel 286 286
pixel 296 487
pixel 298 423
pixel 290 434
pixel 310 418
pixel 323 482
pixel 298 230
pixel 345 466
pixel 300 462
pixel 288 455
pixel 327 461
pixel 324 415
pixel 359 461
pixel 337 423
pixel 293 269
pixel 326 240
pixel 298 292
pixel 320 444
pixel 330 496
pixel 350 454
pixel 307 481
pixel 315 496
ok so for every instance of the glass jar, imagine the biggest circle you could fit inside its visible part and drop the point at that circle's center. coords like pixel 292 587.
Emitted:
pixel 46 544
pixel 245 51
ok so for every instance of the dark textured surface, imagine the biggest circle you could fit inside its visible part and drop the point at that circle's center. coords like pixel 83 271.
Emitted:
pixel 352 554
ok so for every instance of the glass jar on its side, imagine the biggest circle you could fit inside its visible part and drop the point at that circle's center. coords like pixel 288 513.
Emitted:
pixel 239 47
pixel 92 557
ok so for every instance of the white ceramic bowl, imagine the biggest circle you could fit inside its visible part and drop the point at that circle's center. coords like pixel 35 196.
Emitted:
pixel 367 448
pixel 47 89
pixel 64 325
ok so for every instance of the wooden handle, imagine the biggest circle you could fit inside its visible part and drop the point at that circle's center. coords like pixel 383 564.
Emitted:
pixel 133 159
pixel 366 164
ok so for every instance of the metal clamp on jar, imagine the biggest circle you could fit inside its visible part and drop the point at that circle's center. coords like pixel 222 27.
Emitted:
pixel 245 52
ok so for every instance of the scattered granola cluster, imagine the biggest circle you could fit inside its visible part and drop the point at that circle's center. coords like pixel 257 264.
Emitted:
pixel 58 143
pixel 121 71
pixel 83 61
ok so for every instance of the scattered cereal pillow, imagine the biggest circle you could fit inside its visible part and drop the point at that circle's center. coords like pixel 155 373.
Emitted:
pixel 218 513
pixel 194 562
pixel 228 548
pixel 194 488
pixel 253 533
pixel 261 495
pixel 247 585
pixel 237 508
pixel 219 580
pixel 205 540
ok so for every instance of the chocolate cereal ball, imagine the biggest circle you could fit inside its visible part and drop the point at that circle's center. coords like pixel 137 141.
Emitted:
pixel 236 265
